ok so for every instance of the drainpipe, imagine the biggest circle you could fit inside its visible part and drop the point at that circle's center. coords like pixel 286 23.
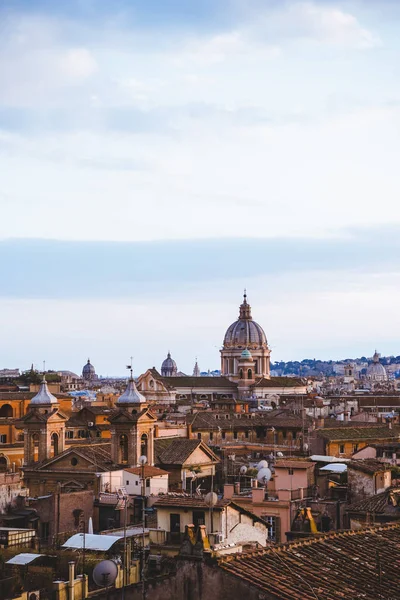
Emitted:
pixel 71 580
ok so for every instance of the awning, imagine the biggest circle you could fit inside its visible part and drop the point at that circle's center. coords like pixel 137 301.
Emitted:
pixel 335 468
pixel 23 559
pixel 92 541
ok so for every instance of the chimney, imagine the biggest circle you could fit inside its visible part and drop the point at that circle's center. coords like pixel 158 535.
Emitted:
pixel 156 430
pixel 257 495
pixel 228 491
pixel 237 488
pixel 345 416
pixel 254 483
pixel 189 431
pixel 320 421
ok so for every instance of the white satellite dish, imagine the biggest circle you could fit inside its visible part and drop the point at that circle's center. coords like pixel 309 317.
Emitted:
pixel 105 573
pixel 263 464
pixel 264 475
pixel 211 499
pixel 243 470
pixel 280 454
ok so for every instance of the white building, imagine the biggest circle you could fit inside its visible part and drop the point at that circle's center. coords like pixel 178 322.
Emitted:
pixel 156 481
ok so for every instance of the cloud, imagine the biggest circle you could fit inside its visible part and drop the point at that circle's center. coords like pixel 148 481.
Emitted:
pixel 317 22
pixel 162 266
pixel 77 64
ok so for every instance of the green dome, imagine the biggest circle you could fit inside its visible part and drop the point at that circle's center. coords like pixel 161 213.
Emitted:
pixel 246 354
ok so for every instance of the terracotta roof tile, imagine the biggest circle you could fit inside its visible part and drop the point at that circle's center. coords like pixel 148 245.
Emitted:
pixel 368 465
pixel 149 471
pixel 330 566
pixel 385 503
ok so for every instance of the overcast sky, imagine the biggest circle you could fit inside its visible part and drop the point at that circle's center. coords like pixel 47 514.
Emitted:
pixel 158 156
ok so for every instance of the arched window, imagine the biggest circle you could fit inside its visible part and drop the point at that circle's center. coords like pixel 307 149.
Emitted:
pixel 151 383
pixel 3 464
pixel 123 449
pixel 54 444
pixel 144 445
pixel 249 374
pixel 6 411
pixel 241 374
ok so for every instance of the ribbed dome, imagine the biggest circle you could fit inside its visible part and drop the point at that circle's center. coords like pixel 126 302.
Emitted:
pixel 168 367
pixel 245 332
pixel 88 370
pixel 246 354
pixel 43 397
pixel 376 371
pixel 131 395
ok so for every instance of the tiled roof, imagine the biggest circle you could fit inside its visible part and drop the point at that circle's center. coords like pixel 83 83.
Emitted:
pixel 177 451
pixel 368 465
pixel 386 503
pixel 294 464
pixel 149 471
pixel 231 420
pixel 282 382
pixel 27 396
pixel 349 565
pixel 187 502
pixel 359 433
pixel 198 382
pixel 378 401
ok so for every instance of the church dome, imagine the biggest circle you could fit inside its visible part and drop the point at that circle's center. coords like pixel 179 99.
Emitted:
pixel 168 367
pixel 376 371
pixel 43 397
pixel 245 332
pixel 88 371
pixel 131 395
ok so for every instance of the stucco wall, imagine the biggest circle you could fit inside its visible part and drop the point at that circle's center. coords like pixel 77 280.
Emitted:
pixel 238 527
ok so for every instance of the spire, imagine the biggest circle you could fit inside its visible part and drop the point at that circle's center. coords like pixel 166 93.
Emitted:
pixel 245 308
pixel 196 370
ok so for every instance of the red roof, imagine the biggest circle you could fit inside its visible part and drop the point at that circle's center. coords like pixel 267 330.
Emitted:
pixel 149 471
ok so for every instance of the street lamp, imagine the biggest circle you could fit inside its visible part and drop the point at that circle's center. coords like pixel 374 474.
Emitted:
pixel 142 462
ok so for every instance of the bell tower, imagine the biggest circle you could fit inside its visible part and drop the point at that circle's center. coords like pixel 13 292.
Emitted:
pixel 132 429
pixel 43 426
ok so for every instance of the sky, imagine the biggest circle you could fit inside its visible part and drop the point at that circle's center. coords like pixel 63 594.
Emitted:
pixel 159 156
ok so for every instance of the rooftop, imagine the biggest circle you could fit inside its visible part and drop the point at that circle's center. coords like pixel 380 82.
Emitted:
pixel 367 465
pixel 175 451
pixel 149 471
pixel 386 503
pixel 360 433
pixel 349 564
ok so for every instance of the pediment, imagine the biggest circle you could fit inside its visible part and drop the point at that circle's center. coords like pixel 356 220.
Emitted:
pixel 73 486
pixel 64 459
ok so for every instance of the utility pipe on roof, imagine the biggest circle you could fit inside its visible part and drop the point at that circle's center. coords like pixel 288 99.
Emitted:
pixel 71 580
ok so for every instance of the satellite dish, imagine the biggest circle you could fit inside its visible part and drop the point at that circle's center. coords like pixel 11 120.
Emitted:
pixel 105 573
pixel 262 465
pixel 305 446
pixel 280 454
pixel 211 499
pixel 243 470
pixel 264 475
